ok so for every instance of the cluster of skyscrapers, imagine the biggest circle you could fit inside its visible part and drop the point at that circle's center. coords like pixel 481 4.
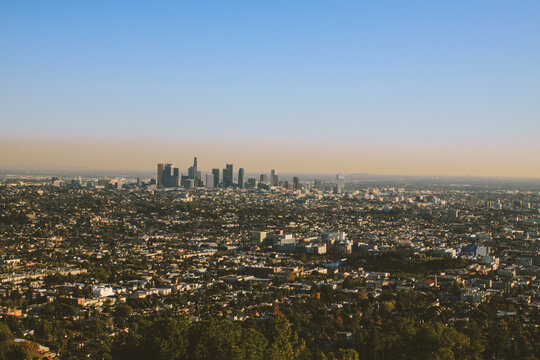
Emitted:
pixel 168 176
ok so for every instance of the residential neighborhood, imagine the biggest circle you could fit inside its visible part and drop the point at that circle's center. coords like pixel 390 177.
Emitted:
pixel 76 256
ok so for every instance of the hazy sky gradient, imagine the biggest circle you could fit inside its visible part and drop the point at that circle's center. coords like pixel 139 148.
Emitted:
pixel 420 87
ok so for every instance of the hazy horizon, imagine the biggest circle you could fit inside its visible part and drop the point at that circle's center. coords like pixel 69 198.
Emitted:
pixel 143 155
pixel 416 88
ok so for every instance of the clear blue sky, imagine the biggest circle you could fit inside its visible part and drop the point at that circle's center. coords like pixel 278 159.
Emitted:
pixel 454 71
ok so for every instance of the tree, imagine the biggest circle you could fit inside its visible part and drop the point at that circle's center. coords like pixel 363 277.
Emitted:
pixel 344 354
pixel 284 343
pixel 159 338
pixel 6 335
pixel 122 312
pixel 221 339
pixel 498 344
pixel 15 351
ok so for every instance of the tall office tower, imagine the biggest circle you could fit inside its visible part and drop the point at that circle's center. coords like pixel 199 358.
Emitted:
pixel 215 172
pixel 274 178
pixel 228 176
pixel 317 184
pixel 263 179
pixel 296 183
pixel 176 177
pixel 210 181
pixel 168 176
pixel 196 173
pixel 241 178
pixel 160 173
pixel 252 183
pixel 192 170
pixel 340 183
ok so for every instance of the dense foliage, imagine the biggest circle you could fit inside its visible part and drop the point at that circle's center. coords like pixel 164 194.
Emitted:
pixel 275 339
pixel 383 336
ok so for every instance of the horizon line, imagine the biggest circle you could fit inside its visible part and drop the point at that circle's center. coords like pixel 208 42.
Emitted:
pixel 51 170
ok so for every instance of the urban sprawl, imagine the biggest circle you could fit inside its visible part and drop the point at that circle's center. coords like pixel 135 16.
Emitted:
pixel 226 266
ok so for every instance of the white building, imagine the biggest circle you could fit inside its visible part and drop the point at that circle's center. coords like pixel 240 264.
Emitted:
pixel 102 290
pixel 210 184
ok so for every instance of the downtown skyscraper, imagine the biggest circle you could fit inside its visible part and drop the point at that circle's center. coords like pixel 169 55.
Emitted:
pixel 215 172
pixel 274 178
pixel 228 176
pixel 241 180
pixel 340 184
pixel 194 173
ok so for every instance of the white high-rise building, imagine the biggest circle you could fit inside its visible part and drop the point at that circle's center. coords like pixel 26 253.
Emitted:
pixel 340 183
pixel 210 181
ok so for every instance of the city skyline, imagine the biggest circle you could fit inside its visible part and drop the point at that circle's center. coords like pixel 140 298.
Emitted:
pixel 170 176
pixel 142 154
